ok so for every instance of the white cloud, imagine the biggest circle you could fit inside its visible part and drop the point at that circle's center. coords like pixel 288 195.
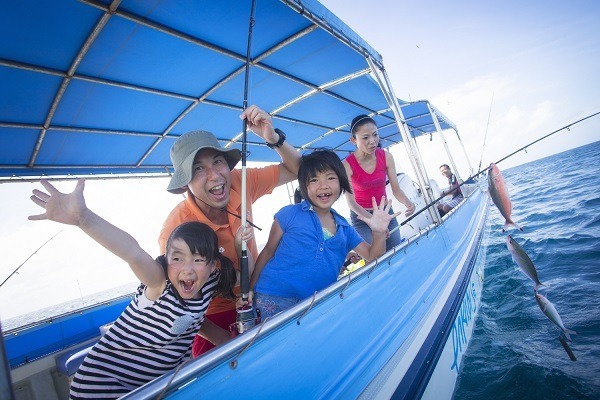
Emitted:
pixel 541 115
pixel 513 115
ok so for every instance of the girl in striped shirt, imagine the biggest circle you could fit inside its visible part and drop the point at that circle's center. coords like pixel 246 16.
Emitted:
pixel 155 332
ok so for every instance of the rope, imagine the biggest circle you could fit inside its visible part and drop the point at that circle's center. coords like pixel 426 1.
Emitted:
pixel 234 363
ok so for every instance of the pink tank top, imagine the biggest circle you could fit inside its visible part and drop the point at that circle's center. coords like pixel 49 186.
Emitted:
pixel 367 185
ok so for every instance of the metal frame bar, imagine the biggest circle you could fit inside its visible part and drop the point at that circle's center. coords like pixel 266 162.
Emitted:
pixel 112 10
pixel 409 144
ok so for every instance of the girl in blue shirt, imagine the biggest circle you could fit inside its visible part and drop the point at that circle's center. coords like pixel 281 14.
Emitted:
pixel 309 241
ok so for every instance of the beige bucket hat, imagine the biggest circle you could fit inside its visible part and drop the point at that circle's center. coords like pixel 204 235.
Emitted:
pixel 184 151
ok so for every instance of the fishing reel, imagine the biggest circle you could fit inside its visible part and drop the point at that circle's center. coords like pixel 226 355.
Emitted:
pixel 247 318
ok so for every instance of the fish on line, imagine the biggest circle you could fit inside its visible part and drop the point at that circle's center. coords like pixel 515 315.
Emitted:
pixel 521 258
pixel 550 311
pixel 499 193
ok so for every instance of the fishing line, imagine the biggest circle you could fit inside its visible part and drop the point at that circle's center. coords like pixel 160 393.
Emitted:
pixel 486 131
pixel 497 162
pixel 31 255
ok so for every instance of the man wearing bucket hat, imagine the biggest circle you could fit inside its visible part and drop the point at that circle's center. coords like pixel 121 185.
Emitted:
pixel 205 171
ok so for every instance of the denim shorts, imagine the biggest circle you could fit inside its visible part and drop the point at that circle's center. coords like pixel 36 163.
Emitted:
pixel 365 232
pixel 271 305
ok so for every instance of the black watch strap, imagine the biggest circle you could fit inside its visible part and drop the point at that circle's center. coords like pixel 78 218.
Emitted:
pixel 279 142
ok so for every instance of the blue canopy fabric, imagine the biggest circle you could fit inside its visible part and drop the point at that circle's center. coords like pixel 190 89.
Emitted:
pixel 101 87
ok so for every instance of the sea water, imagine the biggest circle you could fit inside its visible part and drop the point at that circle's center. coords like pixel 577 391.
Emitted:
pixel 515 352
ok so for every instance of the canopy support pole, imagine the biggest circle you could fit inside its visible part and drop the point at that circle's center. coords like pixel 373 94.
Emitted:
pixel 439 131
pixel 409 145
pixel 471 170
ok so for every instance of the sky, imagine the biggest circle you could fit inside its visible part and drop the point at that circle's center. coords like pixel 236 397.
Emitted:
pixel 530 66
pixel 527 67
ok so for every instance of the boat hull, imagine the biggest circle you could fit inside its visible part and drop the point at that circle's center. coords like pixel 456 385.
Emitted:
pixel 378 333
pixel 396 328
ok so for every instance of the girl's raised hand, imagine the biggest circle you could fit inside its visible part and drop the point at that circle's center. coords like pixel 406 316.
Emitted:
pixel 66 208
pixel 381 217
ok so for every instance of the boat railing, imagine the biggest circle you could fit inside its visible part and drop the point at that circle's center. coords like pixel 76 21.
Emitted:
pixel 234 349
pixel 56 334
pixel 66 315
pixel 468 190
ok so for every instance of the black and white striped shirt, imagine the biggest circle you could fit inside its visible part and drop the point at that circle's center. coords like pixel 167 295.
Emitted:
pixel 146 341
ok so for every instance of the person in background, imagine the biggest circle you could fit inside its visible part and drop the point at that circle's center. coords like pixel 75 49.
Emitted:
pixel 205 172
pixel 308 242
pixel 368 169
pixel 453 195
pixel 297 196
pixel 155 332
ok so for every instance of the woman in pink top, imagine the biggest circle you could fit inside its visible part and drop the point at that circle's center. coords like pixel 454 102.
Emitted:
pixel 368 168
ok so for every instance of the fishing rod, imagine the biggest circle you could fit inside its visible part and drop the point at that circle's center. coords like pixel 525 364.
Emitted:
pixel 486 131
pixel 548 135
pixel 245 315
pixel 31 255
pixel 481 171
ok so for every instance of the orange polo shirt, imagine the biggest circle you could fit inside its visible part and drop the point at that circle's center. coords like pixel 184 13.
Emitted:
pixel 259 181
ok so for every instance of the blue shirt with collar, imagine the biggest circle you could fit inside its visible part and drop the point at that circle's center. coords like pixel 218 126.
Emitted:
pixel 304 262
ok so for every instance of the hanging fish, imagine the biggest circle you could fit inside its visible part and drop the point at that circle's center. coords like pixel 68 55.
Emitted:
pixel 522 260
pixel 499 193
pixel 548 309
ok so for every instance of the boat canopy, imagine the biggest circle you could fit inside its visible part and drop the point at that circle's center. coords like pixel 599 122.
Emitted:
pixel 105 88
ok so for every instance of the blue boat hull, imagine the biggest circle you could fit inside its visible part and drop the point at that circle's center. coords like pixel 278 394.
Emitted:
pixel 396 328
pixel 377 333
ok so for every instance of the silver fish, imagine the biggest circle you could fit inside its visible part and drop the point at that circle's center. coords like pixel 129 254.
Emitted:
pixel 499 194
pixel 550 311
pixel 522 260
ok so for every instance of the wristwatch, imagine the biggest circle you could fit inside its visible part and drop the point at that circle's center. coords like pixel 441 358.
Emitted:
pixel 279 142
